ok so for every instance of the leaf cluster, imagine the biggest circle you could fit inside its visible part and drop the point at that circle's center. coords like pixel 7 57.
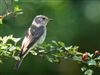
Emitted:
pixel 54 52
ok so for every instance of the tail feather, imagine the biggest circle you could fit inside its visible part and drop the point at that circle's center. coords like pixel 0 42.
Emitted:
pixel 18 64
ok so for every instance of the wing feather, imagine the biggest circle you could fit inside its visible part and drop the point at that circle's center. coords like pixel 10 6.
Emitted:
pixel 32 36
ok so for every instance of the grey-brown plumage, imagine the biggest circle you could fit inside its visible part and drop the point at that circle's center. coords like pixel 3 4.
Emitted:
pixel 35 35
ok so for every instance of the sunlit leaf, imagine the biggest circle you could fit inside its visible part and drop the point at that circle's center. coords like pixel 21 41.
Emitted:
pixel 0 38
pixel 83 69
pixel 88 72
pixel 4 47
pixel 16 0
pixel 61 44
pixel 16 39
pixel 54 42
pixel 17 8
pixel 1 21
pixel 18 13
pixel 41 51
pixel 12 48
pixel 5 39
pixel 1 61
pixel 91 55
pixel 68 48
pixel 33 52
pixel 1 18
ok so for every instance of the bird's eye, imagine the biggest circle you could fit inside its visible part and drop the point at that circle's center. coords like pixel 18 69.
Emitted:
pixel 43 18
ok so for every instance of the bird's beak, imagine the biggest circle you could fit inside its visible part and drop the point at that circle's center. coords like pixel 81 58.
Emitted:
pixel 50 19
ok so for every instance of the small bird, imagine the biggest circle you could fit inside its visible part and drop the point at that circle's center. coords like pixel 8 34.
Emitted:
pixel 35 35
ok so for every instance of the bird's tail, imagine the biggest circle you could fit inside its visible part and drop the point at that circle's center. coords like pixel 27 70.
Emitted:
pixel 18 64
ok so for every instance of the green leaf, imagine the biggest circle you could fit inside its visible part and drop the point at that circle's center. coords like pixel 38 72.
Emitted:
pixel 56 60
pixel 41 51
pixel 33 52
pixel 77 58
pixel 18 13
pixel 5 39
pixel 88 72
pixel 1 21
pixel 49 59
pixel 75 48
pixel 16 57
pixel 16 0
pixel 17 8
pixel 4 47
pixel 98 64
pixel 17 48
pixel 1 61
pixel 83 69
pixel 54 42
pixel 12 48
pixel 61 44
pixel 98 57
pixel 0 38
pixel 68 48
pixel 92 62
pixel 91 55
pixel 16 39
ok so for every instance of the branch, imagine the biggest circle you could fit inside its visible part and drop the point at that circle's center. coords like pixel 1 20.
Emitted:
pixel 16 11
pixel 55 52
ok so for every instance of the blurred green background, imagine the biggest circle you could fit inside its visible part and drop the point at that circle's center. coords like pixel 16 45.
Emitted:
pixel 75 22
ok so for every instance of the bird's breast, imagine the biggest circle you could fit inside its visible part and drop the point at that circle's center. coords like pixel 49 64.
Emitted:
pixel 42 38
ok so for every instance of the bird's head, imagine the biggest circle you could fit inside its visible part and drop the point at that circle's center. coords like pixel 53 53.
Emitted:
pixel 41 20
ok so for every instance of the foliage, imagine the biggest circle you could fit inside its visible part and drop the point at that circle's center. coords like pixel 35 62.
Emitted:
pixel 55 52
pixel 8 47
pixel 10 10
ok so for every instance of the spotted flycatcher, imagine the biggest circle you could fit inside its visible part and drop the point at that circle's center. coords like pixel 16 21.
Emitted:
pixel 35 35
